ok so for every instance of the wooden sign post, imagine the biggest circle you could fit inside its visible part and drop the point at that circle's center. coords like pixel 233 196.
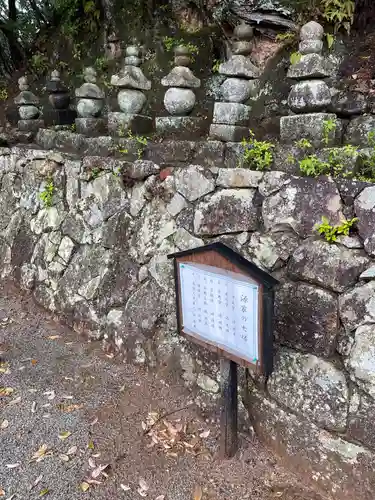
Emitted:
pixel 225 304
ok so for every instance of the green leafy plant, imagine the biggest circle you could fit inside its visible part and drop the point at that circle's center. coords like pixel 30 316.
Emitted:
pixel 101 63
pixel 3 94
pixel 290 159
pixel 47 194
pixel 257 154
pixel 216 65
pixel 141 141
pixel 288 36
pixel 331 233
pixel 117 172
pixel 330 40
pixel 171 43
pixel 303 144
pixel 73 127
pixel 339 12
pixel 313 166
pixel 95 172
pixel 366 164
pixel 295 57
pixel 329 127
pixel 39 63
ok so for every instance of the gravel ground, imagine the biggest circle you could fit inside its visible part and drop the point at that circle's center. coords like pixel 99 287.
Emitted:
pixel 87 410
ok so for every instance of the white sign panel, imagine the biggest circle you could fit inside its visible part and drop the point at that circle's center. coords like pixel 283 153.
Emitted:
pixel 221 309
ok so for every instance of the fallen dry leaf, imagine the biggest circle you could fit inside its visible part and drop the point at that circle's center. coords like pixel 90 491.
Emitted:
pixel 160 497
pixel 6 391
pixel 4 424
pixel 15 401
pixel 98 470
pixel 40 454
pixel 84 486
pixel 93 481
pixel 197 494
pixel 95 421
pixel 92 463
pixel 44 492
pixel 2 492
pixel 72 450
pixel 63 457
pixel 143 493
pixel 36 482
pixel 125 487
pixel 69 408
pixel 53 337
pixel 91 445
pixel 205 434
pixel 50 395
pixel 12 466
pixel 142 483
pixel 33 407
pixel 64 435
pixel 34 362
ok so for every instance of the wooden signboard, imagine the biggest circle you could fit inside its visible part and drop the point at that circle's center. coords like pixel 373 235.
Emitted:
pixel 225 303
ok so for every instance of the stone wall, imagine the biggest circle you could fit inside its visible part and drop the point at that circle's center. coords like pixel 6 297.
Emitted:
pixel 97 258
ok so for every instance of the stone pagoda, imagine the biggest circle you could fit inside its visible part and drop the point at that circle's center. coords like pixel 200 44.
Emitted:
pixel 231 116
pixel 179 99
pixel 59 99
pixel 131 98
pixel 310 97
pixel 27 105
pixel 90 105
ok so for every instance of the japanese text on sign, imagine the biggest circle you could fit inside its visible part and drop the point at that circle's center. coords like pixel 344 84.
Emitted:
pixel 220 309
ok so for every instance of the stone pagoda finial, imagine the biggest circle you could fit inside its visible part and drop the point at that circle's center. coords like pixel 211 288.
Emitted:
pixel 179 99
pixel 131 98
pixel 90 104
pixel 311 95
pixel 59 98
pixel 231 117
pixel 28 108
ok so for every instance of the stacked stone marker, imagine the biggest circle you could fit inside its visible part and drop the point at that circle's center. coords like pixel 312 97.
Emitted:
pixel 59 98
pixel 90 105
pixel 179 99
pixel 310 96
pixel 131 99
pixel 231 117
pixel 28 111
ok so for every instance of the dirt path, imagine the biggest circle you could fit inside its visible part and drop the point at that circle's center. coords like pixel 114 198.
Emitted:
pixel 87 410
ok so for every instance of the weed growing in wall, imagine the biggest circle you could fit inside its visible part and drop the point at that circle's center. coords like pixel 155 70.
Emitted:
pixel 3 94
pixel 313 166
pixel 295 57
pixel 47 194
pixel 141 142
pixel 331 233
pixel 257 154
pixel 329 128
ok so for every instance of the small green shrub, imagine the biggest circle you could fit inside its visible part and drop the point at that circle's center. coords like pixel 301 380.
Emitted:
pixel 331 233
pixel 288 36
pixel 95 172
pixel 303 144
pixel 141 141
pixel 3 94
pixel 170 43
pixel 328 127
pixel 366 164
pixel 330 40
pixel 216 65
pixel 39 63
pixel 295 57
pixel 73 127
pixel 340 13
pixel 47 194
pixel 313 166
pixel 257 154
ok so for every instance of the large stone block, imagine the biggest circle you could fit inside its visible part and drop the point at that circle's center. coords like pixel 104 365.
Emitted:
pixel 231 113
pixel 272 250
pixel 364 207
pixel 357 307
pixel 300 204
pixel 310 66
pixel 358 130
pixel 182 127
pixel 306 318
pixel 310 387
pixel 228 133
pixel 332 266
pixel 192 183
pixel 238 178
pixel 340 468
pixel 361 361
pixel 120 123
pixel 361 418
pixel 311 127
pixel 309 96
pixel 239 66
pixel 228 211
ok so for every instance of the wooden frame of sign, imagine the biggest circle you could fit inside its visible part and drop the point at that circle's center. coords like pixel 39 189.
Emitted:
pixel 225 304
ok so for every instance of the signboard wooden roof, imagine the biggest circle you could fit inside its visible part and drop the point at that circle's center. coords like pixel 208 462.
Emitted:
pixel 225 303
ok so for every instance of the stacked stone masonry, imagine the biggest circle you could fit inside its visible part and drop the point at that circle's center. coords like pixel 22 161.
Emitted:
pixel 97 258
